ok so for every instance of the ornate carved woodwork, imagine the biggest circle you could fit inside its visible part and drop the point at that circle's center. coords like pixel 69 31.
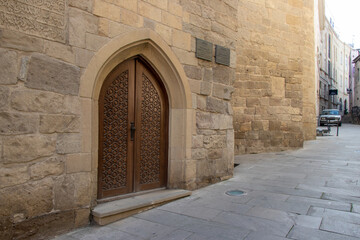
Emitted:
pixel 115 141
pixel 133 118
pixel 150 139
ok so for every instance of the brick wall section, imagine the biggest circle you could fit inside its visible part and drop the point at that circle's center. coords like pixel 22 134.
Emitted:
pixel 274 100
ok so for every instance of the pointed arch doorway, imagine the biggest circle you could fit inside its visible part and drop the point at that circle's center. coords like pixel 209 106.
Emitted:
pixel 133 130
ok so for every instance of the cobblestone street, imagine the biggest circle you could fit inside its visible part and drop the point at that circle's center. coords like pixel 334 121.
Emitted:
pixel 311 193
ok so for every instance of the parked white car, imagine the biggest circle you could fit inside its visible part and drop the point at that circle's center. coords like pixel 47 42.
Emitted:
pixel 330 117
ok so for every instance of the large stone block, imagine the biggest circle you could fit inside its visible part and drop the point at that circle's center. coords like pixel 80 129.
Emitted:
pixel 278 87
pixel 95 42
pixel 72 191
pixel 198 141
pixel 82 57
pixel 149 11
pixel 106 10
pixel 198 153
pixel 130 18
pixel 165 32
pixel 116 29
pixel 174 22
pixel 224 75
pixel 20 41
pixel 201 102
pixel 226 121
pixel 208 75
pixel 80 23
pixel 214 153
pixel 49 74
pixel 8 67
pixel 185 57
pixel 17 123
pixel 222 91
pixel 215 105
pixel 59 124
pixel 37 101
pixel 49 167
pixel 10 176
pixel 24 148
pixel 59 51
pixel 205 88
pixel 203 120
pixel 68 143
pixel 25 201
pixel 193 72
pixel 175 9
pixel 82 217
pixel 78 163
pixel 214 141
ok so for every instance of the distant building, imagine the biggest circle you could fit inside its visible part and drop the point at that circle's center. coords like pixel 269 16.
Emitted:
pixel 334 68
pixel 356 83
pixel 354 55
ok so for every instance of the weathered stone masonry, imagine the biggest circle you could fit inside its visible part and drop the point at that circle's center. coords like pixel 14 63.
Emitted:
pixel 274 89
pixel 50 49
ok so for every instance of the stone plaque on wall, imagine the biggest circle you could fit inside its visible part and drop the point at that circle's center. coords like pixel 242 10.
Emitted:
pixel 222 55
pixel 42 18
pixel 204 49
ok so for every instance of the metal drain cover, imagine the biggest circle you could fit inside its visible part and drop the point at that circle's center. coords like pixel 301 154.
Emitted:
pixel 235 193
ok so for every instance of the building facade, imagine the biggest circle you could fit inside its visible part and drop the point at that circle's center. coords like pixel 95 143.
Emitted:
pixel 105 97
pixel 335 71
pixel 356 89
pixel 354 53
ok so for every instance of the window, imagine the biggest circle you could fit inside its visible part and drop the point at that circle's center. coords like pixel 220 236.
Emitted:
pixel 342 59
pixel 341 80
pixel 329 46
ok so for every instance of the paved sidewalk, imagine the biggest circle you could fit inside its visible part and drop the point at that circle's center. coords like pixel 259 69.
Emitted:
pixel 312 193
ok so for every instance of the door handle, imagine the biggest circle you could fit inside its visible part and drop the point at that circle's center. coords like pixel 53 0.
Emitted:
pixel 132 131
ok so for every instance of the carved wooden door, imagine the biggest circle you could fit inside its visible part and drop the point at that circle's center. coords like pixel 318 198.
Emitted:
pixel 133 130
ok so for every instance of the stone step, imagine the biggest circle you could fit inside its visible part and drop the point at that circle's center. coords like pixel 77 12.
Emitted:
pixel 109 212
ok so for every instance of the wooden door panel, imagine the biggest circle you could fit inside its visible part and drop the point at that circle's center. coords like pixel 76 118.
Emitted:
pixel 150 114
pixel 115 150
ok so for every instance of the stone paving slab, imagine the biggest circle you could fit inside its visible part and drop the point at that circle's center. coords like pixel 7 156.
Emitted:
pixel 302 233
pixel 337 226
pixel 335 215
pixel 310 193
pixel 356 208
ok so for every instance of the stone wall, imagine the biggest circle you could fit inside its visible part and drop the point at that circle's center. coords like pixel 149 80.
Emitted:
pixel 48 162
pixel 47 177
pixel 211 86
pixel 274 97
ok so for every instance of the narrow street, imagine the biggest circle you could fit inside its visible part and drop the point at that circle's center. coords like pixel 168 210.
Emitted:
pixel 311 193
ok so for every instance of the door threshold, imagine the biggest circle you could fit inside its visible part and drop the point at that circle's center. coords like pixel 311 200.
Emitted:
pixel 128 195
pixel 111 211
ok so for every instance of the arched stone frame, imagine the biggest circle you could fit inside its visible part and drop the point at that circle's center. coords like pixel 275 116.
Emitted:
pixel 149 45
